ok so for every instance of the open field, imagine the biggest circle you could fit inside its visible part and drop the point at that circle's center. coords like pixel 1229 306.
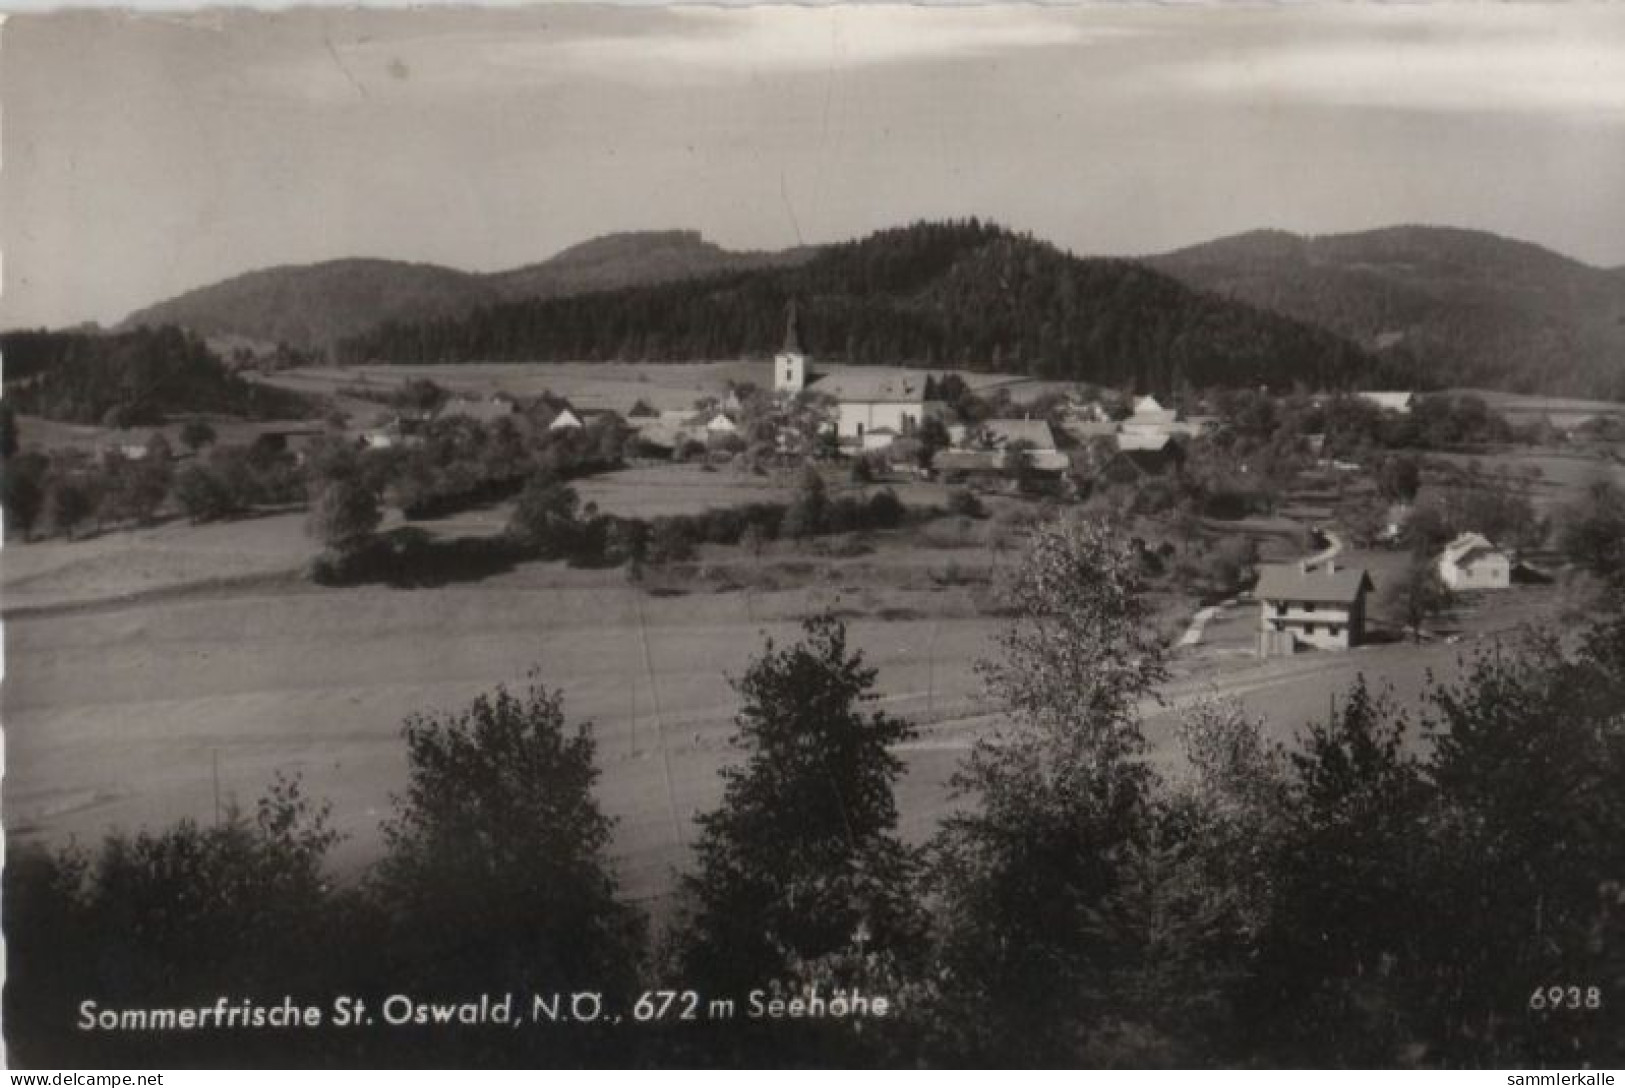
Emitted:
pixel 151 671
pixel 617 386
pixel 1561 474
pixel 53 435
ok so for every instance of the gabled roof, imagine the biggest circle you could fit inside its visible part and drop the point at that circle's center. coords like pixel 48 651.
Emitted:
pixel 1130 442
pixel 1006 432
pixel 1466 547
pixel 879 387
pixel 1084 429
pixel 1327 584
pixel 1147 404
pixel 1393 401
pixel 482 409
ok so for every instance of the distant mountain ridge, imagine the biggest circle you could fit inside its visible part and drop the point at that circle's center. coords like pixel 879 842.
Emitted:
pixel 956 294
pixel 1464 307
pixel 313 306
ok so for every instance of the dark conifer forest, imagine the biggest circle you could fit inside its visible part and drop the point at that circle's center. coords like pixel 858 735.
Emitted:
pixel 956 294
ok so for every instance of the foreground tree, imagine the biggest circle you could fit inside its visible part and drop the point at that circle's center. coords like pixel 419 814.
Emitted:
pixel 801 861
pixel 1345 899
pixel 496 873
pixel 1027 880
pixel 178 912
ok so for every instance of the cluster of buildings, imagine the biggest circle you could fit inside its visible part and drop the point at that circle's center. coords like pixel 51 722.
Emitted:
pixel 1310 605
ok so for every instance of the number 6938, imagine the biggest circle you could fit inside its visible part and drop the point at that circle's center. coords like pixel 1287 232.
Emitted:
pixel 1565 998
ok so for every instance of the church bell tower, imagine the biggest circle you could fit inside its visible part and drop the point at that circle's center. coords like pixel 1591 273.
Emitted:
pixel 790 365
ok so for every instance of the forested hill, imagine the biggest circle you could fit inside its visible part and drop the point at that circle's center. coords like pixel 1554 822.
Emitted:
pixel 128 379
pixel 1465 307
pixel 312 306
pixel 963 294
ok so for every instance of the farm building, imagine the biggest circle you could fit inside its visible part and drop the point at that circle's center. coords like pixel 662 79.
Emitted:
pixel 1301 606
pixel 1140 457
pixel 1033 434
pixel 1471 562
pixel 480 409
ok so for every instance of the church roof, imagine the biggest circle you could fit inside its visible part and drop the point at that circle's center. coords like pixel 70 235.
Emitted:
pixel 873 387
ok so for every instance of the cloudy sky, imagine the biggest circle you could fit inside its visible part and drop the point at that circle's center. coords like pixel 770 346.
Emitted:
pixel 144 155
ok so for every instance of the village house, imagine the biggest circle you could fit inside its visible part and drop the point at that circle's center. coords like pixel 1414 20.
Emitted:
pixel 480 409
pixel 1400 402
pixel 1149 417
pixel 1144 456
pixel 1471 562
pixel 565 419
pixel 1033 435
pixel 131 445
pixel 1302 606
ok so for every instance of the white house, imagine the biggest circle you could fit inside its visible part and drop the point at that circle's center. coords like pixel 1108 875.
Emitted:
pixel 1471 562
pixel 481 409
pixel 1400 402
pixel 1320 607
pixel 566 420
pixel 874 400
pixel 721 424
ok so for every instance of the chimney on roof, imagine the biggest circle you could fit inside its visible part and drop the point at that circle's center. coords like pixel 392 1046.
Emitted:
pixel 1303 566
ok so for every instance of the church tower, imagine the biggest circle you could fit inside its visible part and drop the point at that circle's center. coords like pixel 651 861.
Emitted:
pixel 790 365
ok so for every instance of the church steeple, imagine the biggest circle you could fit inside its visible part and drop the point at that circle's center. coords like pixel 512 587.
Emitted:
pixel 790 365
pixel 792 330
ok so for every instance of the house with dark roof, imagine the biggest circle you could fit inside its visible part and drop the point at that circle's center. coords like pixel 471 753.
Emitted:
pixel 1141 457
pixel 1302 606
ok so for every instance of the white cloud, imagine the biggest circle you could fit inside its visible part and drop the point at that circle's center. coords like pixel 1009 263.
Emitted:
pixel 1524 59
pixel 789 39
pixel 680 45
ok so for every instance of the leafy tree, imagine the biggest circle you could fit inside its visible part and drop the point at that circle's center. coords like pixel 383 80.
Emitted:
pixel 1399 477
pixel 1592 529
pixel 670 541
pixel 809 509
pixel 544 518
pixel 9 442
pixel 1527 829
pixel 175 912
pixel 197 433
pixel 496 871
pixel 202 494
pixel 73 501
pixel 801 861
pixel 22 491
pixel 933 438
pixel 1418 595
pixel 344 516
pixel 1346 898
pixel 1024 879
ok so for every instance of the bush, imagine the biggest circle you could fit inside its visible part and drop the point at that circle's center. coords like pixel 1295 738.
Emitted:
pixel 964 502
